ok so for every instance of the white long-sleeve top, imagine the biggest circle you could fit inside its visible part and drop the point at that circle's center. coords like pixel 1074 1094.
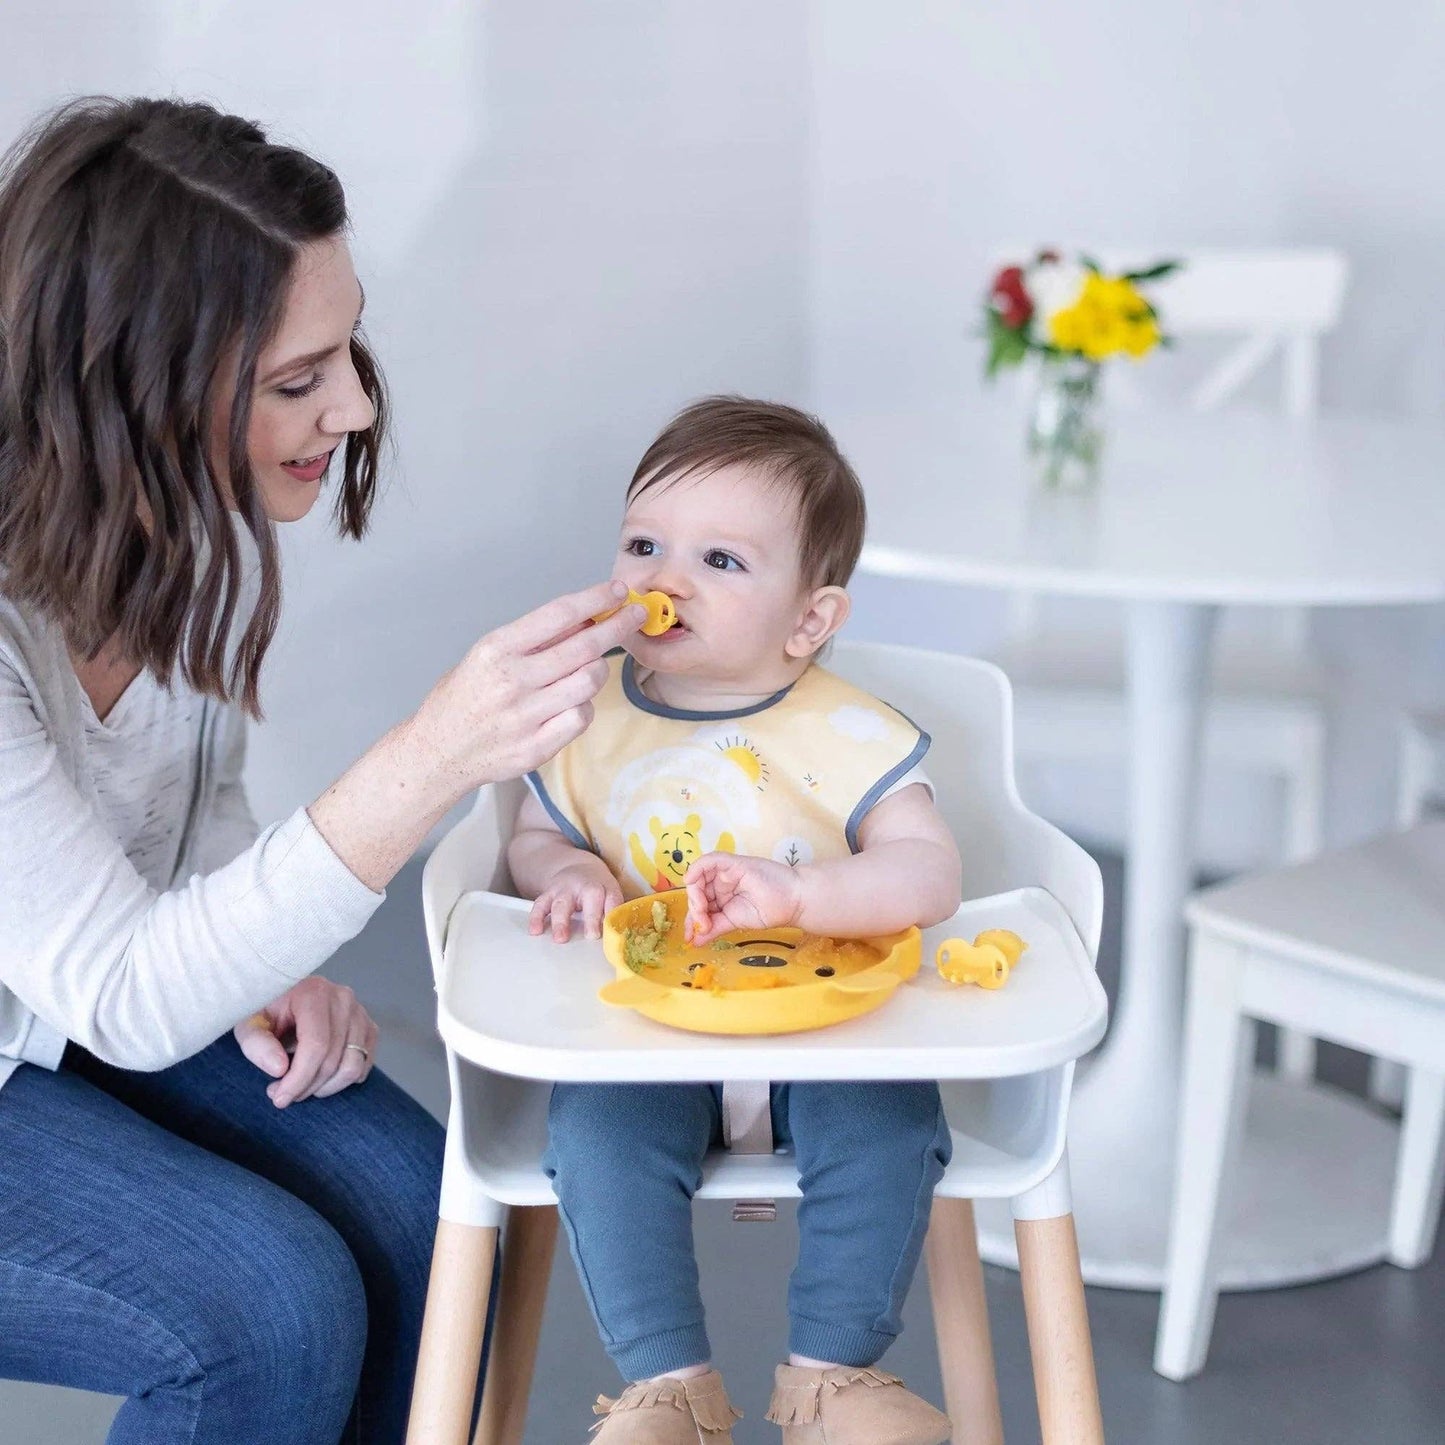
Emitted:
pixel 139 973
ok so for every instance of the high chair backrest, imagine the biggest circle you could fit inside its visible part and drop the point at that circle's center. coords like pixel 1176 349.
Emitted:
pixel 966 707
pixel 963 704
pixel 471 858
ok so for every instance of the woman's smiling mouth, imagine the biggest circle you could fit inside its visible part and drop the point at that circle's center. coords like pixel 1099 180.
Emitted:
pixel 308 469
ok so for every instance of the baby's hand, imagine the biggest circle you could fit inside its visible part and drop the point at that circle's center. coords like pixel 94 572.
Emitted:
pixel 725 892
pixel 585 888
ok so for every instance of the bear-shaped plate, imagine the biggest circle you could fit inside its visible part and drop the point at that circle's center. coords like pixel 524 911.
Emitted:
pixel 758 981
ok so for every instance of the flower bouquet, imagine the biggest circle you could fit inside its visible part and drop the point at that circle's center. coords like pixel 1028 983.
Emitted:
pixel 1073 316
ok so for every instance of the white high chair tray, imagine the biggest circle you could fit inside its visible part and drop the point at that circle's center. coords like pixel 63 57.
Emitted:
pixel 528 1006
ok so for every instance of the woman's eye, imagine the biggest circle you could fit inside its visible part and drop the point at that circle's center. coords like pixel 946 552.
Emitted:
pixel 304 389
pixel 640 547
pixel 722 561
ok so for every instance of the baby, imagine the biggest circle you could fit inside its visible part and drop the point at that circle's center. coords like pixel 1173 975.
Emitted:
pixel 725 759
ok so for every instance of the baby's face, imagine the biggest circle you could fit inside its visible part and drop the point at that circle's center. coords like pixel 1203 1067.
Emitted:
pixel 724 547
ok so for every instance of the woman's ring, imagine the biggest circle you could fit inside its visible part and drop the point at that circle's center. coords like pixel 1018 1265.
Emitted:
pixel 365 1053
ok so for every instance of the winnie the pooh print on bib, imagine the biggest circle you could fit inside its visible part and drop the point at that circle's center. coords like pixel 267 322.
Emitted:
pixel 650 789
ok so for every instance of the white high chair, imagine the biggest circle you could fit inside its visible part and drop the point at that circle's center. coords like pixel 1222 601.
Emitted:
pixel 517 1013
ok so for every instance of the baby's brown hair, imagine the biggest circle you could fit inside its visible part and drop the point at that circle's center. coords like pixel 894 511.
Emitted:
pixel 796 450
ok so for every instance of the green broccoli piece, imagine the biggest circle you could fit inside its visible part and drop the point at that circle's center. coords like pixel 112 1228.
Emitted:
pixel 642 947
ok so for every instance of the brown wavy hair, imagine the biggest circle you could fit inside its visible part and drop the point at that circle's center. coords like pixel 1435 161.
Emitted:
pixel 145 245
pixel 793 449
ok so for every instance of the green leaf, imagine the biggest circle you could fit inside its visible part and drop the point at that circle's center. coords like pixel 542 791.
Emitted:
pixel 1089 264
pixel 1007 346
pixel 1154 273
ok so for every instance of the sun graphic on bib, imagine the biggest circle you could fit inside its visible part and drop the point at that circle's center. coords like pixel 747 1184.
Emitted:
pixel 741 752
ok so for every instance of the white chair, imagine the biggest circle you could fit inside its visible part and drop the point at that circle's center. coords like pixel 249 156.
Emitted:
pixel 1007 1066
pixel 1349 947
pixel 1421 747
pixel 1265 711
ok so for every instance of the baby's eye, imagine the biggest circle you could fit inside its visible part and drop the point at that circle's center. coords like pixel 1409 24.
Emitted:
pixel 640 547
pixel 722 561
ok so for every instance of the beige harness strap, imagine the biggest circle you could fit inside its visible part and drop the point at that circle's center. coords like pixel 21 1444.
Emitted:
pixel 747 1119
pixel 748 1116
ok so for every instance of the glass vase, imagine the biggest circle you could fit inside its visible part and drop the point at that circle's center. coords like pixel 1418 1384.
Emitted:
pixel 1066 433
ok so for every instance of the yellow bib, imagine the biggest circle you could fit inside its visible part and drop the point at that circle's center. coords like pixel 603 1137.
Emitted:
pixel 650 789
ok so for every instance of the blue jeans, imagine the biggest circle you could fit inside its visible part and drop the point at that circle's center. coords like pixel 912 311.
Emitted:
pixel 240 1272
pixel 626 1160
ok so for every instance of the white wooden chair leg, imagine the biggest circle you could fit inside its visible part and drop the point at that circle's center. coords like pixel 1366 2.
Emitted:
pixel 451 1335
pixel 1417 767
pixel 960 1319
pixel 527 1251
pixel 1387 1082
pixel 1065 1384
pixel 1218 1059
pixel 1296 1056
pixel 1296 1053
pixel 1304 804
pixel 1420 1174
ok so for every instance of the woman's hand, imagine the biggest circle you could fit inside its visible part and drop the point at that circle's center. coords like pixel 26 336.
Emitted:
pixel 523 692
pixel 725 891
pixel 315 1040
pixel 587 888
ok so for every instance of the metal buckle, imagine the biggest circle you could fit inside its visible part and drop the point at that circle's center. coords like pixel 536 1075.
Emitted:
pixel 755 1211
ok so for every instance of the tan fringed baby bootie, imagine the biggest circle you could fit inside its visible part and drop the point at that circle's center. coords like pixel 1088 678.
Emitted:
pixel 695 1411
pixel 848 1406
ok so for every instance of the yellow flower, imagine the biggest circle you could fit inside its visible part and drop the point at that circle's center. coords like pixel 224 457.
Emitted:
pixel 1109 317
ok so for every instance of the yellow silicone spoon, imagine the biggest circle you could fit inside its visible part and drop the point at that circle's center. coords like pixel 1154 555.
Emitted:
pixel 987 961
pixel 661 614
pixel 1005 940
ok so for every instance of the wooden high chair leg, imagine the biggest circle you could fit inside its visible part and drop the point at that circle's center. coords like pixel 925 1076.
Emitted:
pixel 1063 1354
pixel 1058 1319
pixel 960 1322
pixel 527 1250
pixel 451 1334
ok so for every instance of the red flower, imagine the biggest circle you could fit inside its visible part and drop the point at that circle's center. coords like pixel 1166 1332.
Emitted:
pixel 1009 297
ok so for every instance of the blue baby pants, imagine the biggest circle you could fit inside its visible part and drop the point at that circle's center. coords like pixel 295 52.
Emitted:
pixel 626 1160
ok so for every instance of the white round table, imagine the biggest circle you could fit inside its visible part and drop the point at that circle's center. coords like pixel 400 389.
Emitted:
pixel 1192 512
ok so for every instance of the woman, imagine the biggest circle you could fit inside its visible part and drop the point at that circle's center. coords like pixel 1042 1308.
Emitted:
pixel 210 1202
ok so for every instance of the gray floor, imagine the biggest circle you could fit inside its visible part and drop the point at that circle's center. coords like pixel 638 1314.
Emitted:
pixel 1357 1359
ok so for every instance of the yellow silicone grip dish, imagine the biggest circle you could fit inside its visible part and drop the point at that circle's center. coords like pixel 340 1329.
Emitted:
pixel 771 981
pixel 661 614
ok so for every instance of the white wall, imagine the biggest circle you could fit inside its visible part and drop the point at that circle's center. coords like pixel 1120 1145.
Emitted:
pixel 570 219
pixel 944 131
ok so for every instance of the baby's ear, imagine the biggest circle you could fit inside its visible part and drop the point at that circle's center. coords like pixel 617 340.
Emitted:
pixel 825 611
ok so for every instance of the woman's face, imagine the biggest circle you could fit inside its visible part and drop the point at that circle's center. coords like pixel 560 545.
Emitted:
pixel 307 395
